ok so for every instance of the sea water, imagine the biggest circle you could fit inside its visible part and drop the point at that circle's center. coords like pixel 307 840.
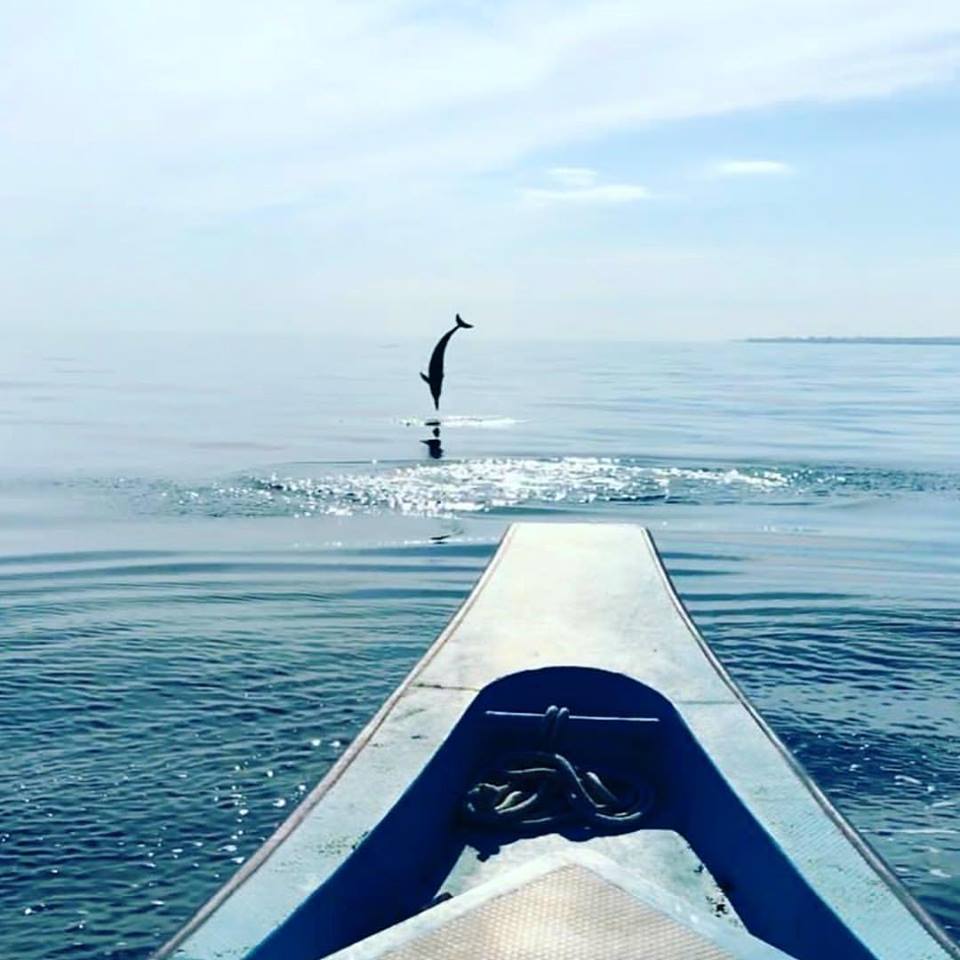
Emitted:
pixel 219 554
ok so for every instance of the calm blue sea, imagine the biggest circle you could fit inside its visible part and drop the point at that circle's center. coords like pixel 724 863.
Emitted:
pixel 219 555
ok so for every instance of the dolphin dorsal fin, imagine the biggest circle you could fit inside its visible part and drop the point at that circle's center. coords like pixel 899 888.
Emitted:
pixel 424 378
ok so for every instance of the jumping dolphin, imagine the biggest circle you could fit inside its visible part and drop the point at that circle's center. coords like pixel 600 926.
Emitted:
pixel 435 379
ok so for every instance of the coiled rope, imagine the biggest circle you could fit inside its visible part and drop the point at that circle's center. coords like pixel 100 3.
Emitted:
pixel 530 790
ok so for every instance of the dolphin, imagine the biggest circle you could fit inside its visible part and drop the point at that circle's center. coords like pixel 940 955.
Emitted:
pixel 435 378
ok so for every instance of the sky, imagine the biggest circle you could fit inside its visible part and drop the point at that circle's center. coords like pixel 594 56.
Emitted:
pixel 548 168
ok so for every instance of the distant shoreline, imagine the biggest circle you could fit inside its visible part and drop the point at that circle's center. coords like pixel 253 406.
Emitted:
pixel 919 341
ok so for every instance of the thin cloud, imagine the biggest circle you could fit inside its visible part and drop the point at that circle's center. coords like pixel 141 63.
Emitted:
pixel 166 104
pixel 580 185
pixel 751 168
pixel 226 134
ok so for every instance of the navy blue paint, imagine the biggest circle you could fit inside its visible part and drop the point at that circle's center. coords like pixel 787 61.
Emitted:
pixel 402 864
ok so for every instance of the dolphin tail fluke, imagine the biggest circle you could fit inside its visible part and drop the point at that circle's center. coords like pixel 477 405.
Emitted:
pixel 463 323
pixel 424 378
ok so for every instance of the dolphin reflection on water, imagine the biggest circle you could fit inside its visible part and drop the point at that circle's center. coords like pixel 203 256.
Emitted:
pixel 434 379
pixel 433 445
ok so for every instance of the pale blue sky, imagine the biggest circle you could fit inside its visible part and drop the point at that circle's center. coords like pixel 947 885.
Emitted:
pixel 703 168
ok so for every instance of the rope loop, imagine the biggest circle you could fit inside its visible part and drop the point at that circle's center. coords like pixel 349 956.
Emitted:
pixel 554 720
pixel 529 791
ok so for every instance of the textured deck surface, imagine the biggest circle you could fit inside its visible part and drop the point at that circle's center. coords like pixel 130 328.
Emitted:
pixel 574 905
pixel 570 914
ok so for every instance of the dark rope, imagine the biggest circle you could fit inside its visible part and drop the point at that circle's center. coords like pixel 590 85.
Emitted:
pixel 529 790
